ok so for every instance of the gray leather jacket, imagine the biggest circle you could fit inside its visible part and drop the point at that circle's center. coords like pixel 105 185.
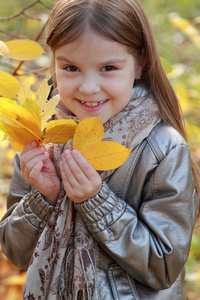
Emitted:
pixel 142 219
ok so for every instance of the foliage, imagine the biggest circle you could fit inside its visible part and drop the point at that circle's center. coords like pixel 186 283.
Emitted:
pixel 27 121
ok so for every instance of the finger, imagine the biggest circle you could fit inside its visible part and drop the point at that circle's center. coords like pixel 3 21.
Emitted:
pixel 72 171
pixel 93 181
pixel 77 167
pixel 26 167
pixel 64 177
pixel 29 146
pixel 35 172
pixel 73 189
pixel 30 153
pixel 85 166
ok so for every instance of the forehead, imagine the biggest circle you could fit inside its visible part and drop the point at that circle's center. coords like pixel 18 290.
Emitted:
pixel 92 43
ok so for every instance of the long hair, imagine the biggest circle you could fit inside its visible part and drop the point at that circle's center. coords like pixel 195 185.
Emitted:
pixel 125 22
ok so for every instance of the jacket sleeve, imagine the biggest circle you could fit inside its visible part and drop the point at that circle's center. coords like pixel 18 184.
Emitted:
pixel 24 221
pixel 152 243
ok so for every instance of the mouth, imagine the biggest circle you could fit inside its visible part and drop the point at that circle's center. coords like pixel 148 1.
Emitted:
pixel 92 104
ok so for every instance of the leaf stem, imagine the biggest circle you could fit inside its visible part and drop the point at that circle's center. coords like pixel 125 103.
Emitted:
pixel 47 169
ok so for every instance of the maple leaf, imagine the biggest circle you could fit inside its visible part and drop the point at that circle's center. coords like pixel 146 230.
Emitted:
pixel 27 121
pixel 102 155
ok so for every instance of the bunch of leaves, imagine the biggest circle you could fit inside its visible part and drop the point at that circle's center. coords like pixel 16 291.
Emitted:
pixel 27 120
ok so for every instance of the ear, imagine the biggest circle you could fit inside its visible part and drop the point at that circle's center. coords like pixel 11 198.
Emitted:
pixel 140 66
pixel 138 72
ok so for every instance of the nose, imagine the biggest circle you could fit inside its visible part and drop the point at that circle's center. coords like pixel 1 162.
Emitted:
pixel 89 86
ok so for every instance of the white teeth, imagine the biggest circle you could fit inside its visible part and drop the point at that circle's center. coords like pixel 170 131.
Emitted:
pixel 92 104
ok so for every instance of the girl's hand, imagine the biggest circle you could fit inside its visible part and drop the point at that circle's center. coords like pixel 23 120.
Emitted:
pixel 80 179
pixel 38 170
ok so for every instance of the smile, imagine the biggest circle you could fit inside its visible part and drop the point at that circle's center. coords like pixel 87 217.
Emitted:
pixel 92 104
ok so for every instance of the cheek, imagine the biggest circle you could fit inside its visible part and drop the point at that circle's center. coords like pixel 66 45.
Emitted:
pixel 64 87
pixel 120 88
pixel 115 87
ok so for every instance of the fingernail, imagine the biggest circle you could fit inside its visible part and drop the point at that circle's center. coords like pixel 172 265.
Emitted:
pixel 42 149
pixel 67 152
pixel 75 151
pixel 33 143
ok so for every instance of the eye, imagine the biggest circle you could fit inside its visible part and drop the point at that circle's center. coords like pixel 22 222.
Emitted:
pixel 108 68
pixel 72 69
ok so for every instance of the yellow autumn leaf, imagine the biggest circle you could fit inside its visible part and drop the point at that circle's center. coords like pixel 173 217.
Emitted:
pixel 102 155
pixel 42 93
pixel 33 109
pixel 9 85
pixel 4 102
pixel 25 91
pixel 47 108
pixel 19 137
pixel 19 124
pixel 59 131
pixel 4 51
pixel 24 49
pixel 17 147
pixel 17 114
pixel 88 131
pixel 106 155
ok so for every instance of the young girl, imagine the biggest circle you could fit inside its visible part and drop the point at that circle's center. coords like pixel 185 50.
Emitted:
pixel 121 234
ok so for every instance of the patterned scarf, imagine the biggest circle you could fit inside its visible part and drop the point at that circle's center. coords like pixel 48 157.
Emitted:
pixel 63 263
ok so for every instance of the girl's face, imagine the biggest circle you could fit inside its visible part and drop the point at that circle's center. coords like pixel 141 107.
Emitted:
pixel 95 76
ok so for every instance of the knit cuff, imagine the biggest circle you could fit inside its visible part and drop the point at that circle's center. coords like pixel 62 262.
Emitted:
pixel 37 210
pixel 102 210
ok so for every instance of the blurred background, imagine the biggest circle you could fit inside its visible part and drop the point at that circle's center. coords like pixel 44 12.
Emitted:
pixel 176 24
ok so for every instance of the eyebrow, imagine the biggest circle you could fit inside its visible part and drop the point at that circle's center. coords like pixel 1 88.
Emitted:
pixel 108 62
pixel 62 57
pixel 114 61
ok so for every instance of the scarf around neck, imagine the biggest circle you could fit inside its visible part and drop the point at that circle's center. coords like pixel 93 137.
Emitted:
pixel 63 262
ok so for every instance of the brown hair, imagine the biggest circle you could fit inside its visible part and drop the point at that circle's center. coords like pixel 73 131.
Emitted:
pixel 123 21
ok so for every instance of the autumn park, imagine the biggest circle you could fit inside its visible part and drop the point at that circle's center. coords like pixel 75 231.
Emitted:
pixel 24 69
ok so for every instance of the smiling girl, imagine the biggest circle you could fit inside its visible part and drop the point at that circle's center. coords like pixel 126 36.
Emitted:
pixel 120 234
pixel 95 80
